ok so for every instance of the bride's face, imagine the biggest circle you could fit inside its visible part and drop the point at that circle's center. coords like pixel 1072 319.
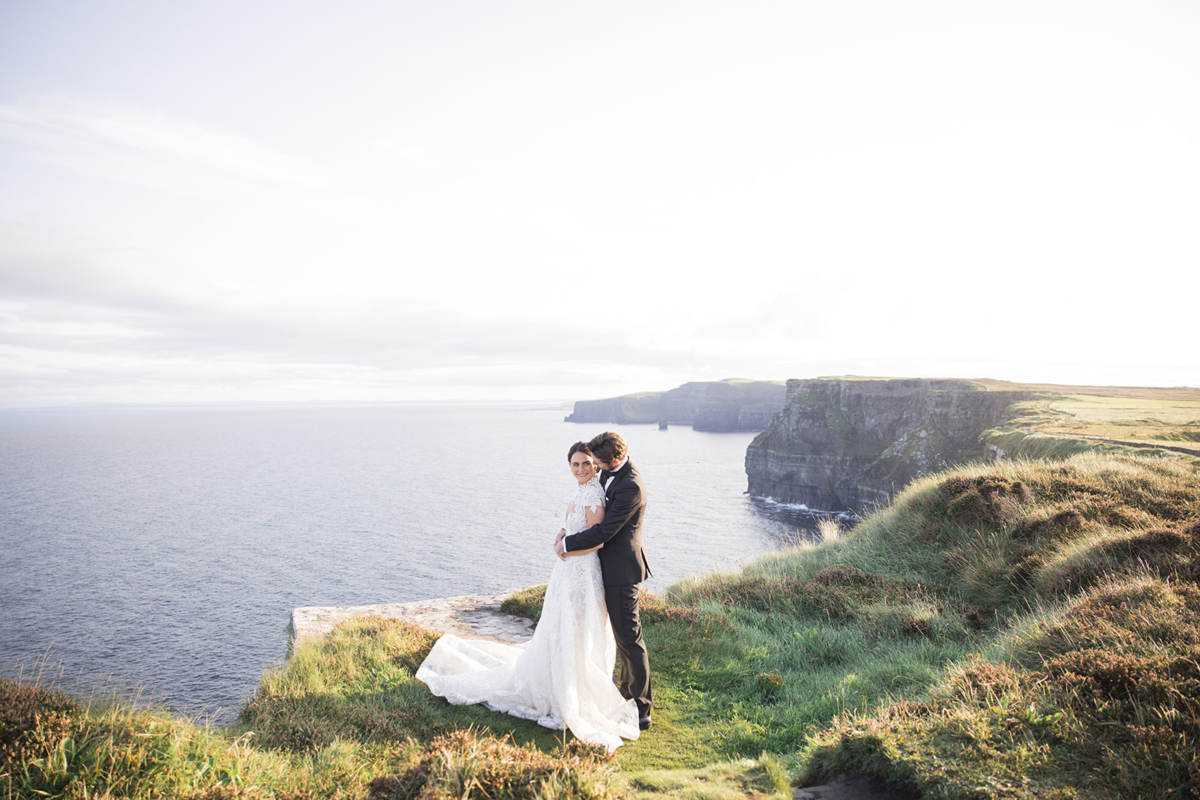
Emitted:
pixel 583 467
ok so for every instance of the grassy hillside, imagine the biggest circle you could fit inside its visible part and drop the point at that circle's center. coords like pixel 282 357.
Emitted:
pixel 1069 590
pixel 1017 630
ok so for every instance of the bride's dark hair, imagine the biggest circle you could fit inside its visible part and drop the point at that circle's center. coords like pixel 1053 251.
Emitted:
pixel 579 447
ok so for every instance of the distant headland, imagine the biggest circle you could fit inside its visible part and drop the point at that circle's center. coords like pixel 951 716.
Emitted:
pixel 733 404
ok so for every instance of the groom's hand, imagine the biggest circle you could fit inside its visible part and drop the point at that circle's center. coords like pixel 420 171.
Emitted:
pixel 560 549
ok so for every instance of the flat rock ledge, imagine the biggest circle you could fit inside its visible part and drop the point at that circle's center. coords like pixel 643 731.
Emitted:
pixel 472 616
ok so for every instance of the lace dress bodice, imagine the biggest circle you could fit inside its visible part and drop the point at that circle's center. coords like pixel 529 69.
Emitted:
pixel 588 497
pixel 563 675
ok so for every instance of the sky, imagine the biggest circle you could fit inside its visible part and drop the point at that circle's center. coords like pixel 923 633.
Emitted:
pixel 547 201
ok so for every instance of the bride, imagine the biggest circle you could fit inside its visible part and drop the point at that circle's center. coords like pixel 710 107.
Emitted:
pixel 562 677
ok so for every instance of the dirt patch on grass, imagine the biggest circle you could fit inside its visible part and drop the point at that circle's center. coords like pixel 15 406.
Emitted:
pixel 852 786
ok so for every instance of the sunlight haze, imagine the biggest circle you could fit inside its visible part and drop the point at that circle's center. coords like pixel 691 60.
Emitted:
pixel 267 201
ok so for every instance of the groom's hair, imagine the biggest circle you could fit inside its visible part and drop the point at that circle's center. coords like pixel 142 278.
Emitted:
pixel 608 447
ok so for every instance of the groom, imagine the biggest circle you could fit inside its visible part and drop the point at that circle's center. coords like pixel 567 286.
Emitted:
pixel 622 561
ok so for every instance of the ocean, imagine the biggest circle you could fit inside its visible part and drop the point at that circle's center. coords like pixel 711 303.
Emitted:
pixel 161 550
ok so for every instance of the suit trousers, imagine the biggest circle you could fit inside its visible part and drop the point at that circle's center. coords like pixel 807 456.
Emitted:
pixel 624 616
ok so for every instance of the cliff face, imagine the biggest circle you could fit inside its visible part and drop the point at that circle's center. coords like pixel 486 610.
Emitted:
pixel 848 444
pixel 642 407
pixel 730 405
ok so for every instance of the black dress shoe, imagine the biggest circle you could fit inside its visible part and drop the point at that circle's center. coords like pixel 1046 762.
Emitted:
pixel 644 723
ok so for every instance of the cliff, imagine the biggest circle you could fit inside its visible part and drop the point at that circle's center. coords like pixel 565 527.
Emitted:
pixel 728 405
pixel 852 444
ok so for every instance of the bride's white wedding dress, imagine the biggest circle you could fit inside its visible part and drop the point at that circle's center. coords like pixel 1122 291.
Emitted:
pixel 563 675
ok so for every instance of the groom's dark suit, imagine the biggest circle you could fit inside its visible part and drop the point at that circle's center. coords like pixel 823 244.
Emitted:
pixel 623 565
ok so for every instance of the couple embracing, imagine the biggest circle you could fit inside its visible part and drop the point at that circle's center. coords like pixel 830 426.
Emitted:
pixel 562 677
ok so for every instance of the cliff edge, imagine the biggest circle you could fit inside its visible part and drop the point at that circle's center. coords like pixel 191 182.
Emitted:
pixel 842 443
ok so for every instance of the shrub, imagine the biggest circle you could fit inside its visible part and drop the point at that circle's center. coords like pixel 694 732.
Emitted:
pixel 525 602
pixel 987 499
pixel 769 685
pixel 466 764
pixel 31 716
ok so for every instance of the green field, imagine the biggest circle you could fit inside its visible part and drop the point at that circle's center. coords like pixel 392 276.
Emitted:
pixel 1064 420
pixel 1144 416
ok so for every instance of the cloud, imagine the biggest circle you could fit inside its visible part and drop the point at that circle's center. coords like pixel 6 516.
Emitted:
pixel 82 322
pixel 108 142
pixel 408 154
pixel 37 264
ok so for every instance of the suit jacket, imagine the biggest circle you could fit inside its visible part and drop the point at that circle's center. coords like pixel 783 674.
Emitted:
pixel 622 559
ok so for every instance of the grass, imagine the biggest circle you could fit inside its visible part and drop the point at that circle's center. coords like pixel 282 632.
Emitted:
pixel 1015 630
pixel 343 718
pixel 1081 576
pixel 1066 422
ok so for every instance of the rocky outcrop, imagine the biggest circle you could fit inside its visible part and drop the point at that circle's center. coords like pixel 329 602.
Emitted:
pixel 474 616
pixel 729 405
pixel 852 444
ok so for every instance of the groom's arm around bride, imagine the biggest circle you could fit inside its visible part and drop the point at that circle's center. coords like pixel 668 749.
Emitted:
pixel 623 558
